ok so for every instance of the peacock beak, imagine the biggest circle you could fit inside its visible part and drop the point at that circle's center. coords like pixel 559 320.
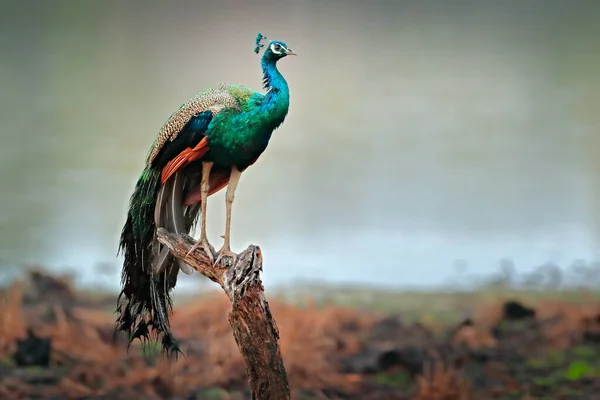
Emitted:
pixel 289 52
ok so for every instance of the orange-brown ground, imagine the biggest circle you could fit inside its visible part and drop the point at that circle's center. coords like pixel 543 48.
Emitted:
pixel 504 351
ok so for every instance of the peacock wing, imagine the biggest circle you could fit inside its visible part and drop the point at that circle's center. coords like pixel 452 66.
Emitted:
pixel 189 123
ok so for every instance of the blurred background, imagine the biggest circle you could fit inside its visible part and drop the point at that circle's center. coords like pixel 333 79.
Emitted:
pixel 429 212
pixel 428 143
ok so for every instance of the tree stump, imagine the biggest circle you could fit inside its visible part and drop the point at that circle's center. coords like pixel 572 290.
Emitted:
pixel 254 328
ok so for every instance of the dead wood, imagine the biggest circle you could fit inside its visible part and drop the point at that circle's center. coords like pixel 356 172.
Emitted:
pixel 254 328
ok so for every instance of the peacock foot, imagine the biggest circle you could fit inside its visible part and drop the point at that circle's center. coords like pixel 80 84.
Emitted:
pixel 226 252
pixel 206 248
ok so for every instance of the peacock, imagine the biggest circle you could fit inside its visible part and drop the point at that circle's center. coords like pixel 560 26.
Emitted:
pixel 203 147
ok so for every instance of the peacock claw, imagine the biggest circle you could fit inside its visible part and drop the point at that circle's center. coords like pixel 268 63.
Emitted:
pixel 225 252
pixel 203 243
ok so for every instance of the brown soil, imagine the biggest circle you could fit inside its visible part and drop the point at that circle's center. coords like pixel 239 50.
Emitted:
pixel 56 345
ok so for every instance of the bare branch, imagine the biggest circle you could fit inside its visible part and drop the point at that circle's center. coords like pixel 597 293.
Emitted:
pixel 254 328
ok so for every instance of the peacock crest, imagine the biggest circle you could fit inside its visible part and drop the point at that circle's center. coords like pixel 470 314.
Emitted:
pixel 259 39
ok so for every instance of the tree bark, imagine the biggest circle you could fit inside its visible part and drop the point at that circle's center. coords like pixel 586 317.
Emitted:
pixel 254 328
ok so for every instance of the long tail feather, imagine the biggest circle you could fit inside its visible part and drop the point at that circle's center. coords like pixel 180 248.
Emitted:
pixel 149 272
pixel 175 216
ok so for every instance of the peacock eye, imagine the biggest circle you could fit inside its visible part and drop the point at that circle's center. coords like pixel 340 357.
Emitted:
pixel 277 47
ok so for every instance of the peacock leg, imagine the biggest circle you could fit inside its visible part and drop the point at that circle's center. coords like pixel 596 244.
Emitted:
pixel 229 197
pixel 204 188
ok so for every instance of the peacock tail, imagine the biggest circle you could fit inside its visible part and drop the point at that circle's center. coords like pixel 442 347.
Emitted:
pixel 141 304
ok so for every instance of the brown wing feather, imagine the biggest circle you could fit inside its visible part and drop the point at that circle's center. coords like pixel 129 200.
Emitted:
pixel 184 158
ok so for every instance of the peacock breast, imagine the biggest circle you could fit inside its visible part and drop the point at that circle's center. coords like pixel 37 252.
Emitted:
pixel 237 142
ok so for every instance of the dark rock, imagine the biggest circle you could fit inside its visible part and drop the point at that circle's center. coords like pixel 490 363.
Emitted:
pixel 514 310
pixel 411 359
pixel 377 360
pixel 591 337
pixel 364 361
pixel 387 329
pixel 33 351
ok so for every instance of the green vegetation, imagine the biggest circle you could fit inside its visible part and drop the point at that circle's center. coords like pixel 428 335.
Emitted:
pixel 397 379
pixel 554 370
pixel 212 393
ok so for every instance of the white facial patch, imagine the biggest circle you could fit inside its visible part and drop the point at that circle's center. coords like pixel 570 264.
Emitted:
pixel 281 48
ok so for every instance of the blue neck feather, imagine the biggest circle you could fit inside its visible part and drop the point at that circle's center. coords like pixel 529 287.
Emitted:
pixel 277 99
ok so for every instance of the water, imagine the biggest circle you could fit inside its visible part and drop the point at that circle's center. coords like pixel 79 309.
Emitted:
pixel 418 135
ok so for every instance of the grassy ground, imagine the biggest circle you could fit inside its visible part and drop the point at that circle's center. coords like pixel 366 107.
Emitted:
pixel 442 306
pixel 337 343
pixel 415 306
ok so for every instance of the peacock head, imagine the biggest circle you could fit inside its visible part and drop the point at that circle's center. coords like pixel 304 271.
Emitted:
pixel 276 49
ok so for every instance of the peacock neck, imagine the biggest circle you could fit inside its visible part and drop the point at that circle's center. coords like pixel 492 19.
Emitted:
pixel 277 99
